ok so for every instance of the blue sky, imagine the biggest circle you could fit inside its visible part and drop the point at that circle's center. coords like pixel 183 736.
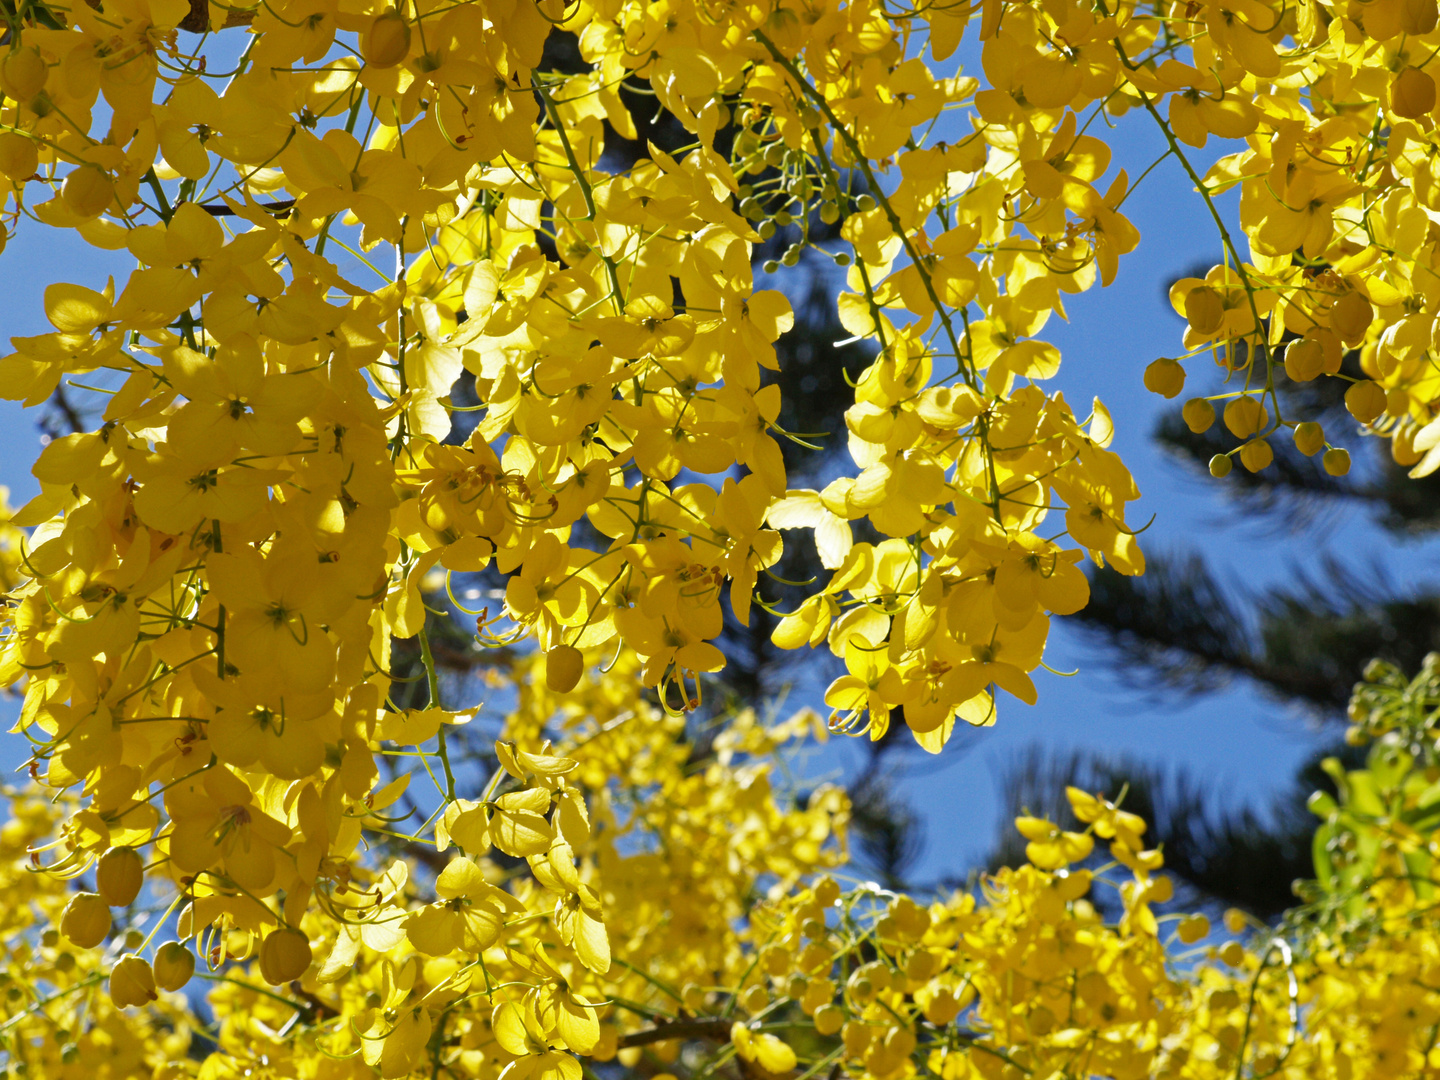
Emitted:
pixel 1244 745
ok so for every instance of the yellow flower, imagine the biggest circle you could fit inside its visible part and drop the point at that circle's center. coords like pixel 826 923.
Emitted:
pixel 219 829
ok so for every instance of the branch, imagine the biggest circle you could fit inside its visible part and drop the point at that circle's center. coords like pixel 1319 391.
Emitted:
pixel 678 1029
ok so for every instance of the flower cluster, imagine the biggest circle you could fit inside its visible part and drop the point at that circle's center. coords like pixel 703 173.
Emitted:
pixel 460 299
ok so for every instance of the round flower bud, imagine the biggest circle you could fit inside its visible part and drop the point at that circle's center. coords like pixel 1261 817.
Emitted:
pixel 1336 461
pixel 1204 310
pixel 24 72
pixel 1397 402
pixel 132 983
pixel 920 966
pixel 776 961
pixel 387 42
pixel 1350 317
pixel 563 667
pixel 1412 93
pixel 1309 438
pixel 1256 455
pixel 119 876
pixel 1365 400
pixel 943 1007
pixel 1245 416
pixel 88 190
pixel 19 158
pixel 1165 377
pixel 827 891
pixel 754 998
pixel 85 920
pixel 174 964
pixel 1304 359
pixel 1220 466
pixel 856 1037
pixel 1198 415
pixel 284 956
pixel 1192 928
pixel 829 1019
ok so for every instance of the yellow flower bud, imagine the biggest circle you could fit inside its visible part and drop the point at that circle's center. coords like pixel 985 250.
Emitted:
pixel 284 956
pixel 942 1007
pixel 1160 891
pixel 754 998
pixel 1220 466
pixel 1309 438
pixel 1192 928
pixel 563 666
pixel 1233 954
pixel 827 891
pixel 862 990
pixel 1245 416
pixel 1350 317
pixel 1198 415
pixel 1165 377
pixel 1304 359
pixel 19 158
pixel 1336 461
pixel 921 965
pixel 856 1038
pixel 1204 310
pixel 1365 400
pixel 119 876
pixel 24 72
pixel 1412 93
pixel 1256 455
pixel 132 983
pixel 174 964
pixel 387 42
pixel 776 960
pixel 829 1019
pixel 85 920
pixel 88 190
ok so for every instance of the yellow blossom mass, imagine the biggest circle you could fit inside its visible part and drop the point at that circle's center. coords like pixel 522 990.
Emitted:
pixel 435 301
